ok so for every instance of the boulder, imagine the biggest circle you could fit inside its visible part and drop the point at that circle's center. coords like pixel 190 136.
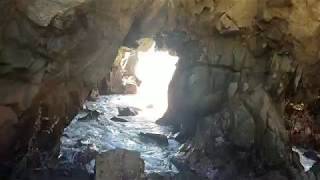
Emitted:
pixel 116 119
pixel 131 89
pixel 93 95
pixel 84 157
pixel 127 111
pixel 90 116
pixel 157 138
pixel 119 164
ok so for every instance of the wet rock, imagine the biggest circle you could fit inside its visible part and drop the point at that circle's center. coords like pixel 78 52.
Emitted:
pixel 186 173
pixel 309 159
pixel 312 155
pixel 180 137
pixel 116 119
pixel 86 156
pixel 119 164
pixel 130 89
pixel 157 138
pixel 127 111
pixel 93 95
pixel 200 163
pixel 91 115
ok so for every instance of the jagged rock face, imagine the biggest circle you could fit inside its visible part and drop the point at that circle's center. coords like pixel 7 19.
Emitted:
pixel 120 164
pixel 224 92
pixel 286 27
pixel 239 60
pixel 52 53
pixel 122 79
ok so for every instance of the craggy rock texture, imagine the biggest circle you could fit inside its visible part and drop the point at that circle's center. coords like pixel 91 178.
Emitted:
pixel 122 79
pixel 241 62
pixel 52 53
pixel 120 164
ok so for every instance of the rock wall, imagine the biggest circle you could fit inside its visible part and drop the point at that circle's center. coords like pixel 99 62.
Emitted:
pixel 52 52
pixel 241 61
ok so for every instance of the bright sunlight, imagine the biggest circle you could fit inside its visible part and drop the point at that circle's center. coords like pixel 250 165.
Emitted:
pixel 155 69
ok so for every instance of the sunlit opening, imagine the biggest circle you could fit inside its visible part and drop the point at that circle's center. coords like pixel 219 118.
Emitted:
pixel 155 69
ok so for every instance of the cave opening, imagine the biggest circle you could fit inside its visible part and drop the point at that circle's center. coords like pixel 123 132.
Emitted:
pixel 145 73
pixel 125 117
pixel 155 70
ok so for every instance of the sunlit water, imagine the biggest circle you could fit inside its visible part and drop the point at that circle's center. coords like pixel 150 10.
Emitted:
pixel 155 70
pixel 102 134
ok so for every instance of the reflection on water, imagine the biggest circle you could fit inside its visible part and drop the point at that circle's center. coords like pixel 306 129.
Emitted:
pixel 155 70
pixel 101 134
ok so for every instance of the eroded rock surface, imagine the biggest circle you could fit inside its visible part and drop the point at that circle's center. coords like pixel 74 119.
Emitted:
pixel 127 111
pixel 52 53
pixel 119 164
pixel 157 138
pixel 241 62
